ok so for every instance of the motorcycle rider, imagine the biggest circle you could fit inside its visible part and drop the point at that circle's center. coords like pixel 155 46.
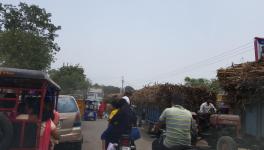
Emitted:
pixel 118 125
pixel 127 96
pixel 179 124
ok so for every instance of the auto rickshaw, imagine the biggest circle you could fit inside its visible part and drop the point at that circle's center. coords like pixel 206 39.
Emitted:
pixel 19 89
pixel 90 112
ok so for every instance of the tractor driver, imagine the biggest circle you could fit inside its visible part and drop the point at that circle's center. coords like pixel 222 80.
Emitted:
pixel 207 107
pixel 179 125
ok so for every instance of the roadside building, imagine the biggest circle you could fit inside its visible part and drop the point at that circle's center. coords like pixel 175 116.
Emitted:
pixel 95 94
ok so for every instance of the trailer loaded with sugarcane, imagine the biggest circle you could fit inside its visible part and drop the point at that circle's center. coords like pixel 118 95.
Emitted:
pixel 216 129
pixel 244 86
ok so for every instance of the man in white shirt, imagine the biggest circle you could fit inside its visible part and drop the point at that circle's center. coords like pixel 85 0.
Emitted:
pixel 207 107
pixel 126 96
pixel 127 99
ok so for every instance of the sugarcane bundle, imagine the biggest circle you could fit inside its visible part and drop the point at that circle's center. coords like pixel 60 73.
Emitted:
pixel 162 94
pixel 242 80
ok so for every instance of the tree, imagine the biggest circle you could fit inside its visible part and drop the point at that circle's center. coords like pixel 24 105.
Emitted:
pixel 96 85
pixel 72 79
pixel 196 82
pixel 129 89
pixel 110 90
pixel 215 86
pixel 211 85
pixel 27 37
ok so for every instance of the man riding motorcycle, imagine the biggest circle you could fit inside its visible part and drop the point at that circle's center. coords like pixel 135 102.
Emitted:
pixel 120 124
pixel 179 124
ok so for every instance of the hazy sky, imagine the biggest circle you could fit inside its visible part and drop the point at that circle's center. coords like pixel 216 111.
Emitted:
pixel 150 41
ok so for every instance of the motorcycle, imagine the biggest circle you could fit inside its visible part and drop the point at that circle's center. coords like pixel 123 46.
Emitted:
pixel 125 143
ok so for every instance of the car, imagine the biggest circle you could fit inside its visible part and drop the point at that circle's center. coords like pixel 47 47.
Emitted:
pixel 69 127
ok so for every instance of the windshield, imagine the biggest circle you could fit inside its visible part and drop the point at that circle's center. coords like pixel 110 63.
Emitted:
pixel 66 105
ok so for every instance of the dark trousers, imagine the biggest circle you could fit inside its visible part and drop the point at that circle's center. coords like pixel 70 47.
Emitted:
pixel 158 145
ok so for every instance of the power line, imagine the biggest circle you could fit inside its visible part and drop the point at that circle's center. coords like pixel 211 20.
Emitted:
pixel 208 60
pixel 227 54
pixel 202 63
pixel 176 74
pixel 212 63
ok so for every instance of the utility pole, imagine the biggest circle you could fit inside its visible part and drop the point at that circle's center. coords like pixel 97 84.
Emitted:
pixel 122 88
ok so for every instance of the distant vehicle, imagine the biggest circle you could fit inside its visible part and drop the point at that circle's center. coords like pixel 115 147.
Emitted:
pixel 81 105
pixel 90 112
pixel 69 127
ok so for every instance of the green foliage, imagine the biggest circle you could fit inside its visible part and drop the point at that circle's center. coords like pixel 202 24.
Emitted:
pixel 211 85
pixel 107 89
pixel 27 37
pixel 71 78
pixel 110 90
pixel 96 85
pixel 215 85
pixel 129 88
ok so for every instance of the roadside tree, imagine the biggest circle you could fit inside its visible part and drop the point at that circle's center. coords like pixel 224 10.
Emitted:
pixel 27 37
pixel 110 89
pixel 211 85
pixel 72 79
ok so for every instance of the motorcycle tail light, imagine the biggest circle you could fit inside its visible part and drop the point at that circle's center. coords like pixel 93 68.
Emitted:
pixel 125 142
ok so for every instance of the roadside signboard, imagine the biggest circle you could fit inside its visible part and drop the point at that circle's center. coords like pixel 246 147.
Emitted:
pixel 259 48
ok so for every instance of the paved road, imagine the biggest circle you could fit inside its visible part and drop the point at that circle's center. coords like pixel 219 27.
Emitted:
pixel 93 129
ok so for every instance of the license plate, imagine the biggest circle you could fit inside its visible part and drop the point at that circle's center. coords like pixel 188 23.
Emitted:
pixel 125 148
pixel 91 114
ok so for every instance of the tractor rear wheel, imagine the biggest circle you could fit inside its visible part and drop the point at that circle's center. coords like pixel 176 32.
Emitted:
pixel 226 143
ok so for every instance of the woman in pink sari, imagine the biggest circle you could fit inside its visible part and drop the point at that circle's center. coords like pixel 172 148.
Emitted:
pixel 48 129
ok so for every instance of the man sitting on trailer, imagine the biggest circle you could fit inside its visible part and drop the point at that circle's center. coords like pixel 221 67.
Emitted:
pixel 179 124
